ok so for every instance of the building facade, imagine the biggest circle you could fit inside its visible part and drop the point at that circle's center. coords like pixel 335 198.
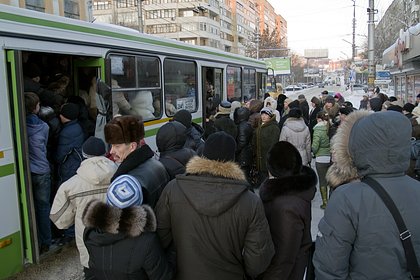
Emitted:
pixel 402 54
pixel 77 9
pixel 229 25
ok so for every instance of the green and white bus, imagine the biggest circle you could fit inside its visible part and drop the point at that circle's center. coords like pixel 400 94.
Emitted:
pixel 175 74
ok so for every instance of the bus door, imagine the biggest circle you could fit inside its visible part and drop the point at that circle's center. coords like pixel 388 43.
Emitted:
pixel 18 236
pixel 86 72
pixel 212 90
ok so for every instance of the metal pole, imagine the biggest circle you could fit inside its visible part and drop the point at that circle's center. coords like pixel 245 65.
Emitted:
pixel 353 45
pixel 371 46
pixel 140 14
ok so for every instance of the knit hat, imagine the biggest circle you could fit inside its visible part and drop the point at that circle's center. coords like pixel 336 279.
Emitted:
pixel 295 113
pixel 345 110
pixel 375 104
pixel 330 99
pixel 224 108
pixel 294 104
pixel 124 129
pixel 124 191
pixel 268 111
pixel 220 146
pixel 93 147
pixel 70 111
pixel 183 116
pixel 409 107
pixel 396 108
pixel 283 159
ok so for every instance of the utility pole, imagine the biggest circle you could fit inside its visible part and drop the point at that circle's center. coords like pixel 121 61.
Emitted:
pixel 257 39
pixel 353 45
pixel 371 46
pixel 140 15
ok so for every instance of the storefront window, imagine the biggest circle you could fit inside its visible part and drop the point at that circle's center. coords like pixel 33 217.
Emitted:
pixel 180 86
pixel 234 89
pixel 410 90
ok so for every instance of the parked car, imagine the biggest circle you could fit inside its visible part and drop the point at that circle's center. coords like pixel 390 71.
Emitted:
pixel 292 88
pixel 321 85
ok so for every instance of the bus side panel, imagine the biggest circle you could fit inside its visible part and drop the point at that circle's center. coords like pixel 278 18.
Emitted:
pixel 11 258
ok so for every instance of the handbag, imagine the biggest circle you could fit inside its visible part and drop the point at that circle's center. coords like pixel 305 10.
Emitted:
pixel 405 235
pixel 254 176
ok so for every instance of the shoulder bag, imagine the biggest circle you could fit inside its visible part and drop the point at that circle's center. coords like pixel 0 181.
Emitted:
pixel 405 235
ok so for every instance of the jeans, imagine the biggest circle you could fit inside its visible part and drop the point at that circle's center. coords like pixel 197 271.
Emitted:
pixel 41 188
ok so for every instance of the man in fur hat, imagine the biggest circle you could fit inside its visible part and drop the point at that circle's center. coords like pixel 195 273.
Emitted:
pixel 358 237
pixel 217 226
pixel 125 134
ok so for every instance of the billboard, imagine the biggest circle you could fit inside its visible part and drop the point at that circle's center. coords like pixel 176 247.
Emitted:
pixel 316 53
pixel 280 65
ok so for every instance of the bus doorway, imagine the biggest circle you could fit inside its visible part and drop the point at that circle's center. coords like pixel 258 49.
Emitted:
pixel 212 90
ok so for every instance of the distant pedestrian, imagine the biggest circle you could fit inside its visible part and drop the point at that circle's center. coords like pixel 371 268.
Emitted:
pixel 287 196
pixel 121 236
pixel 216 225
pixel 358 237
pixel 265 136
pixel 296 132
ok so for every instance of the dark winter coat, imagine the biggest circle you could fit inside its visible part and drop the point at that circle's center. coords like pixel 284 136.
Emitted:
pixel 194 137
pixel 170 141
pixel 287 203
pixel 265 136
pixel 150 173
pixel 69 148
pixel 304 107
pixel 123 244
pixel 37 141
pixel 217 226
pixel 312 119
pixel 224 123
pixel 358 238
pixel 244 139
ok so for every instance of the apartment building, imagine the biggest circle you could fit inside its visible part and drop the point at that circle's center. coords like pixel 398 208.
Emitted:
pixel 229 25
pixel 78 9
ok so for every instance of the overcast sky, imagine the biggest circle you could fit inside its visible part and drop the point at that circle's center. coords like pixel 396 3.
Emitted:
pixel 322 24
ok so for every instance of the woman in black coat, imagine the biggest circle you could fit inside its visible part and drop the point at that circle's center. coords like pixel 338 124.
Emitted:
pixel 287 196
pixel 121 238
pixel 170 140
pixel 315 108
pixel 243 154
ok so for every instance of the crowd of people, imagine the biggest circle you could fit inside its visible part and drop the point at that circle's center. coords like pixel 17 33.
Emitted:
pixel 232 199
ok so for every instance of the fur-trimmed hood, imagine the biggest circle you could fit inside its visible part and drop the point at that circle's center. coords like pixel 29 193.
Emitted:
pixel 131 221
pixel 303 185
pixel 230 170
pixel 212 187
pixel 370 143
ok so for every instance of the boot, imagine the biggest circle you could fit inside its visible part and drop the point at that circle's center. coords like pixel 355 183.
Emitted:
pixel 324 196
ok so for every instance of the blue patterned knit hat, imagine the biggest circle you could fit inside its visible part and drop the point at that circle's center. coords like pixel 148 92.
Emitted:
pixel 124 191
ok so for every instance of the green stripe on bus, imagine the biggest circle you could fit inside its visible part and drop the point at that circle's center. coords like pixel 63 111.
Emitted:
pixel 6 170
pixel 153 131
pixel 90 30
pixel 11 255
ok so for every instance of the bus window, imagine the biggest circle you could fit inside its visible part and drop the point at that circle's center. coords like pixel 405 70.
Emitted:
pixel 234 89
pixel 249 84
pixel 136 88
pixel 180 86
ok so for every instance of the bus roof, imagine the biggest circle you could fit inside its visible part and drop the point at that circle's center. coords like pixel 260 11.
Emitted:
pixel 37 24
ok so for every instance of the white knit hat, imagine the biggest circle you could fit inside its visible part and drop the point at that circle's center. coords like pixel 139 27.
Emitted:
pixel 124 191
